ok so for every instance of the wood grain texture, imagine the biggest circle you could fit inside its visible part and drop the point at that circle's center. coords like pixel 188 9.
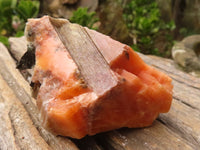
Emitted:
pixel 16 119
pixel 179 129
pixel 155 137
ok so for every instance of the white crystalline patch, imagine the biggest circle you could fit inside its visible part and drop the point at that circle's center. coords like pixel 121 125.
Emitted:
pixel 2 105
pixel 46 102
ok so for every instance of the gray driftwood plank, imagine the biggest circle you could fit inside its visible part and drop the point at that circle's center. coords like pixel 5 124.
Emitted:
pixel 178 129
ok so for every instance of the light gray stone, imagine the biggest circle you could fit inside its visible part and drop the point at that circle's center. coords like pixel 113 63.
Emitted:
pixel 186 53
pixel 18 46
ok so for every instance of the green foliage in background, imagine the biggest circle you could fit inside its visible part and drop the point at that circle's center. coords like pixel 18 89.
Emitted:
pixel 83 17
pixel 13 16
pixel 144 22
pixel 28 9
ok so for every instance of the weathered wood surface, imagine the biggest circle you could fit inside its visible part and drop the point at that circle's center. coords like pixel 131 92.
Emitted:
pixel 20 126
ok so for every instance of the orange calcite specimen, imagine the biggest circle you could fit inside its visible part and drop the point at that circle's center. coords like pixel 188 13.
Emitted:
pixel 70 108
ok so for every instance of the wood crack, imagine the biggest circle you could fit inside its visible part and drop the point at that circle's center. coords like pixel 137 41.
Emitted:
pixel 173 127
pixel 192 142
pixel 13 127
pixel 7 137
pixel 185 103
pixel 185 83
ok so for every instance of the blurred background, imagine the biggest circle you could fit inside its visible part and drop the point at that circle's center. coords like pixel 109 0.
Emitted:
pixel 148 26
